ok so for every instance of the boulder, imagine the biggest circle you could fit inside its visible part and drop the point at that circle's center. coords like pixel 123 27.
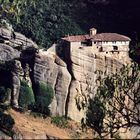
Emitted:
pixel 8 53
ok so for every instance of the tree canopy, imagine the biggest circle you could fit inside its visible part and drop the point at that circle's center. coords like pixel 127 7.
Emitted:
pixel 116 103
pixel 44 21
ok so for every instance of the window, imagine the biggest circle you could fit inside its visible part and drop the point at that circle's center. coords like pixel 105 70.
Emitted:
pixel 87 43
pixel 115 48
pixel 99 43
pixel 114 42
pixel 101 49
pixel 84 43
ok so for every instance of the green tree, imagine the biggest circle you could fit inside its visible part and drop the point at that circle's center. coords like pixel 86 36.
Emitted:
pixel 26 96
pixel 44 96
pixel 4 93
pixel 116 103
pixel 13 8
pixel 95 115
pixel 46 21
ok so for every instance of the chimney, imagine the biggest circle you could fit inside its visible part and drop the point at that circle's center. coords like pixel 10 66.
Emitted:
pixel 93 31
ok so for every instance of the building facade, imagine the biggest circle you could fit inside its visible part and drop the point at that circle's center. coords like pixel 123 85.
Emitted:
pixel 108 44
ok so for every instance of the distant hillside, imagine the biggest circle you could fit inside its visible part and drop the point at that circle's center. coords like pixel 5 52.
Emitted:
pixel 47 21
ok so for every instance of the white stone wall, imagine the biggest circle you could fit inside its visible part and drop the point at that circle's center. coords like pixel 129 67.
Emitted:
pixel 75 44
pixel 123 48
pixel 107 49
pixel 117 43
pixel 107 46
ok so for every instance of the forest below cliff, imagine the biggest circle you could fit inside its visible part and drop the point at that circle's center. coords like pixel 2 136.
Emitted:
pixel 46 21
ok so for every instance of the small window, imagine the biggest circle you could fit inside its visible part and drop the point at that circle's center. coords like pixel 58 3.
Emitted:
pixel 101 49
pixel 115 48
pixel 84 43
pixel 87 43
pixel 114 42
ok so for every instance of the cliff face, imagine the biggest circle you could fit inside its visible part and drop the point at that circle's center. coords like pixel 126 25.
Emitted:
pixel 51 69
pixel 72 77
pixel 72 80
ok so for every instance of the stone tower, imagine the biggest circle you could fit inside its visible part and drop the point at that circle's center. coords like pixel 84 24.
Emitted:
pixel 93 31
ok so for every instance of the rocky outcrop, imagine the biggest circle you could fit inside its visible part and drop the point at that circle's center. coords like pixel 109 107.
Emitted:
pixel 15 40
pixel 50 69
pixel 12 47
pixel 12 44
pixel 8 53
pixel 71 77
pixel 84 67
pixel 72 81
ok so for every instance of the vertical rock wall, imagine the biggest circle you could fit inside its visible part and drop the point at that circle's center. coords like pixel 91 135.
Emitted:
pixel 84 65
pixel 72 79
pixel 50 69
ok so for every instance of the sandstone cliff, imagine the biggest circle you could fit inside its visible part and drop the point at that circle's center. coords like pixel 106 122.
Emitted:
pixel 51 69
pixel 12 44
pixel 72 76
pixel 71 79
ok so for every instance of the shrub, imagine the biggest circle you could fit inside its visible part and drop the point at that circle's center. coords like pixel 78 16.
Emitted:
pixel 6 123
pixel 4 93
pixel 26 96
pixel 44 97
pixel 61 122
pixel 95 114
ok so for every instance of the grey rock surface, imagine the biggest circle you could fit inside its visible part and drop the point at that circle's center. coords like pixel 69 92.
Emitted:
pixel 50 69
pixel 71 80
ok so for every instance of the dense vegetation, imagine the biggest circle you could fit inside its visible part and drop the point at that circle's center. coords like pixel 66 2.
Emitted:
pixel 44 95
pixel 26 96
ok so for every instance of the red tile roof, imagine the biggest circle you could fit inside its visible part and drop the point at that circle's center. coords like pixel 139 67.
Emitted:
pixel 77 38
pixel 110 37
pixel 98 37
